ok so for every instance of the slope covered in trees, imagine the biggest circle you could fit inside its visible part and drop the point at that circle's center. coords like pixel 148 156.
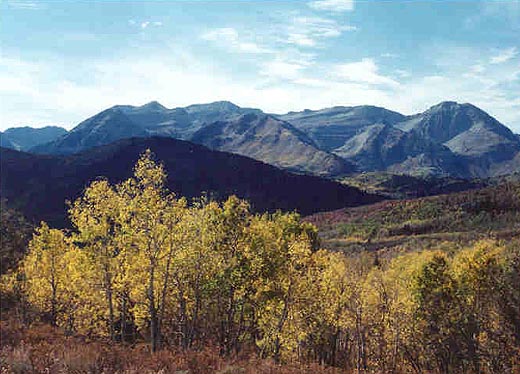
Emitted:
pixel 142 265
pixel 39 185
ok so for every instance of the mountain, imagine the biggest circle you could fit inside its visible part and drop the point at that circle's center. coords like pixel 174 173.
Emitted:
pixel 385 147
pixel 181 123
pixel 221 125
pixel 152 119
pixel 469 132
pixel 273 141
pixel 5 142
pixel 24 138
pixel 38 185
pixel 447 120
pixel 458 140
pixel 448 139
pixel 330 128
pixel 104 128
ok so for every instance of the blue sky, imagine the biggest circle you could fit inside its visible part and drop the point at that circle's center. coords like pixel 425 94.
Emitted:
pixel 64 60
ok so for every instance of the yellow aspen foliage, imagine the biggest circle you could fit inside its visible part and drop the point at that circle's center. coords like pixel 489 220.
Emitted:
pixel 142 263
pixel 44 268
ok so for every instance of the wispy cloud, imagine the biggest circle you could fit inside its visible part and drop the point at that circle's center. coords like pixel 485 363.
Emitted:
pixel 282 70
pixel 364 71
pixel 308 31
pixel 144 24
pixel 229 38
pixel 25 4
pixel 506 12
pixel 389 55
pixel 504 55
pixel 332 5
pixel 283 75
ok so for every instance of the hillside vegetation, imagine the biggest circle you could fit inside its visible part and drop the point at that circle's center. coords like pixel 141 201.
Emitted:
pixel 212 287
pixel 400 225
pixel 39 185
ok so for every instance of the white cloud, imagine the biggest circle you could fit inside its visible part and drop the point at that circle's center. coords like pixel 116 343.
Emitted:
pixel 504 55
pixel 505 12
pixel 308 31
pixel 478 68
pixel 25 4
pixel 301 39
pixel 364 71
pixel 37 93
pixel 296 30
pixel 493 87
pixel 144 24
pixel 403 73
pixel 332 5
pixel 282 69
pixel 229 38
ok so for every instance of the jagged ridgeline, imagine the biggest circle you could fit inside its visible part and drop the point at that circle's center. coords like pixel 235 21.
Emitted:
pixel 447 140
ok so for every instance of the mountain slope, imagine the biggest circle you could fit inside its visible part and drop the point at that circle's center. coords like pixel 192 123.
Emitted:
pixel 273 141
pixel 181 123
pixel 330 128
pixel 464 128
pixel 38 185
pixel 453 139
pixel 458 140
pixel 485 145
pixel 152 119
pixel 5 142
pixel 24 138
pixel 414 224
pixel 103 128
pixel 384 147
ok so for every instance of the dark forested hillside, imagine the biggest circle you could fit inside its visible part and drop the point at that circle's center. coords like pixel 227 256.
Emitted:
pixel 39 185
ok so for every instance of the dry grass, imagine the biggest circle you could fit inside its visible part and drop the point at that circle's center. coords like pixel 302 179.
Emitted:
pixel 44 350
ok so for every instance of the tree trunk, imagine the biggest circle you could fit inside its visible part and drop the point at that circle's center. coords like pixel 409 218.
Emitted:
pixel 281 323
pixel 155 332
pixel 123 318
pixel 110 302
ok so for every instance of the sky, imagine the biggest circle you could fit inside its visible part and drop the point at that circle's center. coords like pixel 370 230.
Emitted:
pixel 62 61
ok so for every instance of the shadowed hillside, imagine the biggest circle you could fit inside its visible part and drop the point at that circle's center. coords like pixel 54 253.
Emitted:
pixel 39 185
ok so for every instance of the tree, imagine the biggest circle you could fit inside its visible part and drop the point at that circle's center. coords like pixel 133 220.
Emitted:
pixel 151 214
pixel 95 217
pixel 44 268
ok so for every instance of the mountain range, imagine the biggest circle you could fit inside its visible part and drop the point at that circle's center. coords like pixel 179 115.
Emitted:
pixel 448 139
pixel 25 138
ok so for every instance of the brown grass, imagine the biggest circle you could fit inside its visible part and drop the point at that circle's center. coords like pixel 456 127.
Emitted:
pixel 45 350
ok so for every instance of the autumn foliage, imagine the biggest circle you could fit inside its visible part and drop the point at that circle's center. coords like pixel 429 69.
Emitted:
pixel 210 281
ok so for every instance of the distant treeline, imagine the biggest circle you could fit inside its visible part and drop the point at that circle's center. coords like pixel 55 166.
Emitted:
pixel 141 263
